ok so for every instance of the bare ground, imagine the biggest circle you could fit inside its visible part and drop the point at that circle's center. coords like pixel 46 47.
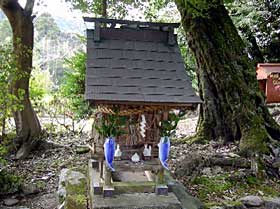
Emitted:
pixel 42 169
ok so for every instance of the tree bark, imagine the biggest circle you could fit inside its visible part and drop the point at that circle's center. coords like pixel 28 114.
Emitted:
pixel 233 105
pixel 27 124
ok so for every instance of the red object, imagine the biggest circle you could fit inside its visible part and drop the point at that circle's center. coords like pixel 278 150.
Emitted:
pixel 268 75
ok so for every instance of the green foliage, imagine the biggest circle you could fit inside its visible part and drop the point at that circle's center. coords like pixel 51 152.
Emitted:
pixel 9 182
pixel 9 102
pixel 161 11
pixel 46 27
pixel 167 127
pixel 5 31
pixel 73 86
pixel 258 21
pixel 3 152
pixel 115 8
pixel 189 59
pixel 40 86
pixel 52 45
pixel 111 125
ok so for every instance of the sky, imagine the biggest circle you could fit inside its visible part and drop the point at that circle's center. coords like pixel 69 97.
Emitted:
pixel 60 9
pixel 55 7
pixel 62 12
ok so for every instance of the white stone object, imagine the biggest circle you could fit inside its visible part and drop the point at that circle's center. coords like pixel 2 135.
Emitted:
pixel 135 158
pixel 147 151
pixel 118 152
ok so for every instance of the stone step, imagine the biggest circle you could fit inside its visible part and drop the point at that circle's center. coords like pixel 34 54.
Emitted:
pixel 137 201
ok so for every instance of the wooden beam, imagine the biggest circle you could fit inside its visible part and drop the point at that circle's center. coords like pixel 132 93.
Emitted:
pixel 163 104
pixel 127 22
pixel 134 187
pixel 171 37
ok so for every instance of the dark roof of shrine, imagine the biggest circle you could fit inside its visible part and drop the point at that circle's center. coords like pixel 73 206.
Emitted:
pixel 137 63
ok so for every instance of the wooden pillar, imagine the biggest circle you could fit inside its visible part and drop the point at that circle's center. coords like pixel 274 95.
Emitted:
pixel 107 176
pixel 108 189
pixel 160 176
pixel 161 187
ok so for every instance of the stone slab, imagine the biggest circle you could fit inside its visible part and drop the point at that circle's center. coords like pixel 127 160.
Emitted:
pixel 187 201
pixel 161 190
pixel 137 201
pixel 272 203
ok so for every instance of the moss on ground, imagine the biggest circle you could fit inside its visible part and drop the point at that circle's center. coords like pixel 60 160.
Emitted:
pixel 9 183
pixel 227 188
pixel 76 195
pixel 76 202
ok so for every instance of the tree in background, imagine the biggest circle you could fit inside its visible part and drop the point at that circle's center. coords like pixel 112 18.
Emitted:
pixel 73 87
pixel 40 88
pixel 46 27
pixel 259 24
pixel 52 46
pixel 233 107
pixel 106 8
pixel 27 124
pixel 5 31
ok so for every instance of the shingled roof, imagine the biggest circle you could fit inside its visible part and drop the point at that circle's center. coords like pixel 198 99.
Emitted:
pixel 138 63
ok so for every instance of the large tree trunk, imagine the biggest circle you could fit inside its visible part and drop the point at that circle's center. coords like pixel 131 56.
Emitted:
pixel 233 106
pixel 27 124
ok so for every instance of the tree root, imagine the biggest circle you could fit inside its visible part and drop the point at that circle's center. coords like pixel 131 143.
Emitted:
pixel 228 162
pixel 40 145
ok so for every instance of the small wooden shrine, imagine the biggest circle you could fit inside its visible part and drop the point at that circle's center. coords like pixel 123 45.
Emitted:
pixel 268 75
pixel 136 68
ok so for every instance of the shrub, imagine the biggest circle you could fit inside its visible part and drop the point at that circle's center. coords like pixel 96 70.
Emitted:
pixel 73 86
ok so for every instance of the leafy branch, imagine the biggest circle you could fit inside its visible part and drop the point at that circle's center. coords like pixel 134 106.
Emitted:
pixel 111 125
pixel 168 127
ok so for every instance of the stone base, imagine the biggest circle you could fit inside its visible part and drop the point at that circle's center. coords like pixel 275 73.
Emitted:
pixel 108 191
pixel 161 190
pixel 137 201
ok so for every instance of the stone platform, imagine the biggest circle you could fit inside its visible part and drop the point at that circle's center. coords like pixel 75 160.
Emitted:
pixel 137 201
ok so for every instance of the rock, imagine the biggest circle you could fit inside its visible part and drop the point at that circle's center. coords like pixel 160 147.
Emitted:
pixel 61 185
pixel 272 203
pixel 30 188
pixel 217 170
pixel 72 189
pixel 236 206
pixel 276 164
pixel 254 201
pixel 187 201
pixel 232 155
pixel 74 177
pixel 46 201
pixel 10 201
pixel 206 171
